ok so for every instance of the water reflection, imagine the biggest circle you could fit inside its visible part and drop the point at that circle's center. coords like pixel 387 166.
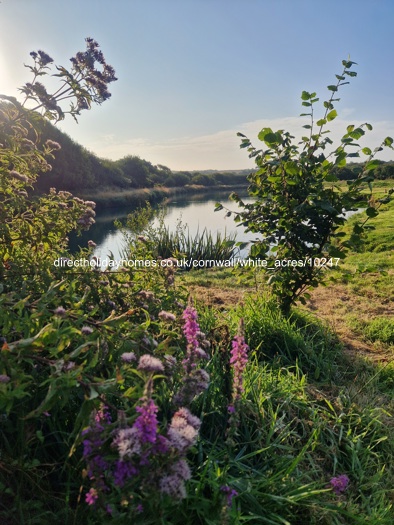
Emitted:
pixel 196 212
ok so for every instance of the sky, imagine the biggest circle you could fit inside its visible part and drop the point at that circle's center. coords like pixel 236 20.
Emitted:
pixel 193 73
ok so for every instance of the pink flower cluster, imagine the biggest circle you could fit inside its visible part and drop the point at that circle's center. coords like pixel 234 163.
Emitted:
pixel 195 380
pixel 238 361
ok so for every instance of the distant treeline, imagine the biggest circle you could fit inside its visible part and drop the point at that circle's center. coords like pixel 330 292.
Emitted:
pixel 385 170
pixel 75 169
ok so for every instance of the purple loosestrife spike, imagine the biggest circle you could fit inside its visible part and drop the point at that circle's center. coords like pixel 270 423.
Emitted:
pixel 146 422
pixel 238 360
pixel 230 494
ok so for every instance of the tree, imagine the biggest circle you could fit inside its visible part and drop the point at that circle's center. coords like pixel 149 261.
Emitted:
pixel 298 208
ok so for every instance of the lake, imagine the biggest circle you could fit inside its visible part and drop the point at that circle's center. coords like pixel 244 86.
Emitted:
pixel 195 211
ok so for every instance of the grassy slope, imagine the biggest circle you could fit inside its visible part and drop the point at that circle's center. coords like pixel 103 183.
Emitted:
pixel 334 359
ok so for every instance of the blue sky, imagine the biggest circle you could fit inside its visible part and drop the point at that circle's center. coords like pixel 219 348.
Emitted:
pixel 194 72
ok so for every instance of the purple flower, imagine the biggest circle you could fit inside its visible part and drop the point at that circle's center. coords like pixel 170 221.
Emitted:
pixel 339 484
pixel 148 363
pixel 128 357
pixel 123 471
pixel 230 494
pixel 238 360
pixel 166 316
pixel 60 311
pixel 91 497
pixel 146 422
pixel 183 430
pixel 191 328
pixel 4 378
pixel 173 483
pixel 127 441
pixel 92 244
pixel 86 330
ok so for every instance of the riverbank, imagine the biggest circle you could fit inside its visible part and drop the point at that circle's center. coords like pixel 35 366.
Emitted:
pixel 112 198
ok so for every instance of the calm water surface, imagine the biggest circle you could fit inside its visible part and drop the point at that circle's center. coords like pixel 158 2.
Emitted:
pixel 194 211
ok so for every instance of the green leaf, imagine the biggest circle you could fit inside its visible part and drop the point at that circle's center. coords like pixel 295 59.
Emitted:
pixel 218 206
pixel 332 88
pixel 371 165
pixel 305 95
pixel 357 133
pixel 331 178
pixel 307 104
pixel 307 126
pixel 371 212
pixel 333 114
pixel 388 141
pixel 321 122
pixel 368 126
pixel 366 151
pixel 292 168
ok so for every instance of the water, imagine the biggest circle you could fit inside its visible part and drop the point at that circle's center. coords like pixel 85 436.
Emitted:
pixel 194 211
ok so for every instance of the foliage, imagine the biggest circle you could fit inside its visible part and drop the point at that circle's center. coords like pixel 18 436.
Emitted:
pixel 115 404
pixel 298 207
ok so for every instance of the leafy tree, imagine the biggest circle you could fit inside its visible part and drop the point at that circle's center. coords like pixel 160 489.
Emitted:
pixel 298 208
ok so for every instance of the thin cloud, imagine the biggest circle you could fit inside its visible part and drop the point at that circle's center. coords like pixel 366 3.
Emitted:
pixel 221 151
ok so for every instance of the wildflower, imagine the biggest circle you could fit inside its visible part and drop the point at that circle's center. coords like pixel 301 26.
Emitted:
pixel 127 442
pixel 86 330
pixel 169 362
pixel 44 57
pixel 339 484
pixel 128 357
pixel 92 244
pixel 4 378
pixel 18 176
pixel 183 430
pixel 60 311
pixel 230 494
pixel 91 497
pixel 111 304
pixel 238 360
pixel 123 471
pixel 141 238
pixel 53 145
pixel 146 422
pixel 148 363
pixel 166 316
pixel 173 484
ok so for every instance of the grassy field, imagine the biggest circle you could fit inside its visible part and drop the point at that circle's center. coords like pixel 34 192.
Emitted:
pixel 338 349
